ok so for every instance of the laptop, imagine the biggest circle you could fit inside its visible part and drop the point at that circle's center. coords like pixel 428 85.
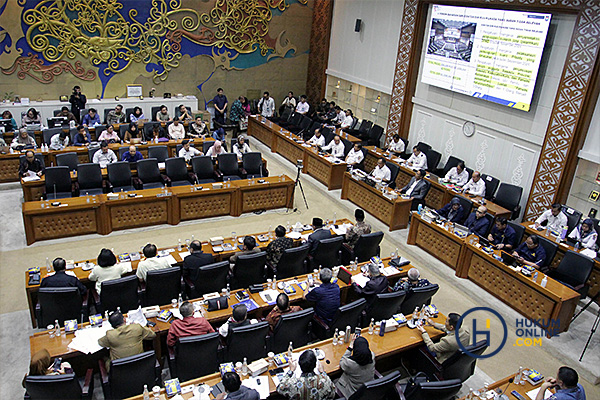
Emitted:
pixel 509 259
pixel 344 275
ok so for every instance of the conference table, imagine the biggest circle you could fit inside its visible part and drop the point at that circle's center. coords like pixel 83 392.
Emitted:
pixel 508 384
pixel 102 213
pixel 471 260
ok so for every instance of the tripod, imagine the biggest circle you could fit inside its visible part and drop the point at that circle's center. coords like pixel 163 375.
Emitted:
pixel 298 183
pixel 594 325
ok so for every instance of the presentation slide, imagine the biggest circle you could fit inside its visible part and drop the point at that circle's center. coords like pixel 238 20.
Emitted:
pixel 490 54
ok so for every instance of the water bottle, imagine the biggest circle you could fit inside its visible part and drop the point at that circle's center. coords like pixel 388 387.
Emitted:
pixel 335 337
pixel 416 312
pixel 420 209
pixel 372 326
pixel 48 265
pixel 179 300
pixel 347 334
pixel 146 394
pixel 179 247
pixel 519 376
pixel 289 352
pixel 57 328
pixel 228 291
pixel 544 281
pixel 245 367
pixel 563 233
pixel 382 328
pixel 274 282
pixel 535 276
pixel 334 218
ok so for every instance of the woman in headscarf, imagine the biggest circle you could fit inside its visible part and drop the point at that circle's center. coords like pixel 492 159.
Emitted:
pixel 358 364
pixel 585 234
pixel 41 364
pixel 216 149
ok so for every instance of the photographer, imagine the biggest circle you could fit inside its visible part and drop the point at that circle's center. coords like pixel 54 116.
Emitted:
pixel 77 101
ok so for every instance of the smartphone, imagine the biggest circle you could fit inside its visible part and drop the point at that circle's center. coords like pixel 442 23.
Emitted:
pixel 275 371
pixel 150 323
pixel 357 331
pixel 56 364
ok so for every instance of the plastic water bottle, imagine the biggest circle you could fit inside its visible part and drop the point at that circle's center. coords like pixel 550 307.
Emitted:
pixel 347 335
pixel 179 300
pixel 179 247
pixel 57 328
pixel 228 291
pixel 245 367
pixel 420 209
pixel 544 281
pixel 146 394
pixel 289 352
pixel 535 276
pixel 372 326
pixel 48 265
pixel 519 376
pixel 335 337
pixel 274 282
pixel 382 328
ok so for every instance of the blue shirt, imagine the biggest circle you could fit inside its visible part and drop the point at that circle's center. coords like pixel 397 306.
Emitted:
pixel 536 255
pixel 220 101
pixel 82 139
pixel 506 236
pixel 576 393
pixel 129 158
pixel 87 120
pixel 458 214
pixel 327 300
pixel 477 226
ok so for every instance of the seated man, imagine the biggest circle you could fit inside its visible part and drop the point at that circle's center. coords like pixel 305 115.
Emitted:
pixel 318 139
pixel 355 155
pixel 184 114
pixel 151 263
pixel 348 120
pixel 453 211
pixel 196 259
pixel 132 155
pixel 303 106
pixel 176 130
pixel 417 159
pixel 413 280
pixel 416 189
pixel 124 340
pixel 448 344
pixel 477 222
pixel 234 389
pixel 531 252
pixel 377 284
pixel 64 112
pixel 336 146
pixel 30 164
pixel 566 385
pixel 248 247
pixel 282 307
pixel 381 172
pixel 308 385
pixel 326 297
pixel 23 141
pixel 318 233
pixel 239 317
pixel 339 118
pixel 116 116
pixel 104 156
pixel 554 218
pixel 59 141
pixel 358 229
pixel 503 236
pixel 396 145
pixel 241 147
pixel 458 175
pixel 83 137
pixel 199 129
pixel 188 326
pixel 91 118
pixel 585 236
pixel 276 248
pixel 476 186
pixel 187 151
pixel 61 278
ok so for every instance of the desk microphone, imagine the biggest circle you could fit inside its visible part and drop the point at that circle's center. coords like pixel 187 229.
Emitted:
pixel 55 191
pixel 502 395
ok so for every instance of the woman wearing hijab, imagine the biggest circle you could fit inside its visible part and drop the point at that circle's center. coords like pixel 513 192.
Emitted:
pixel 137 115
pixel 216 149
pixel 585 234
pixel 41 364
pixel 358 364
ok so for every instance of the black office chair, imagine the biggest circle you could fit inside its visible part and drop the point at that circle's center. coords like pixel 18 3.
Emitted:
pixel 123 150
pixel 375 135
pixel 347 315
pixel 89 178
pixel 154 110
pixel 436 390
pixel 128 112
pixel 149 174
pixel 284 117
pixel 249 269
pixel 550 247
pixel 162 285
pixel 467 206
pixel 362 130
pixel 48 133
pixel 303 125
pixel 161 153
pixel 394 170
pixel 366 247
pixel 519 231
pixel 433 159
pixel 58 183
pixel 573 271
pixel 423 147
pixel 462 365
pixel 348 145
pixel 98 129
pixel 91 153
pixel 204 169
pixel 119 176
pixel 293 122
pixel 327 253
pixel 178 113
pixel 122 292
pixel 509 196
pixel 176 170
pixel 194 356
pixel 491 185
pixel 207 145
pixel 248 342
pixel 293 262
pixel 106 111
pixel 292 327
pixel 127 376
pixel 65 386
pixel 62 304
pixel 67 160
pixel 417 297
pixel 123 128
pixel 491 222
pixel 82 113
pixel 450 163
pixel 384 306
pixel 211 278
pixel 253 165
pixel 573 217
pixel 383 387
pixel 228 167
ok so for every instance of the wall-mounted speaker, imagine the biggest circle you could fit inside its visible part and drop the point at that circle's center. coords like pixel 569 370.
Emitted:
pixel 357 25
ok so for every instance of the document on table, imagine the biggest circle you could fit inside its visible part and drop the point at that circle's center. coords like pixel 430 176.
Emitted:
pixel 533 393
pixel 86 340
pixel 360 280
pixel 260 384
pixel 184 254
pixel 341 229
pixel 387 271
pixel 269 296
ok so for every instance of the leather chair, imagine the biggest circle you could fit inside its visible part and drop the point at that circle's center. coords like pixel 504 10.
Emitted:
pixel 366 247
pixel 450 163
pixel 284 117
pixel 573 271
pixel 247 342
pixel 292 327
pixel 127 376
pixel 82 113
pixel 68 160
pixel 203 169
pixel 148 128
pixel 293 262
pixel 437 390
pixel 176 170
pixel 467 206
pixel 348 145
pixel 519 231
pixel 64 386
pixel 328 134
pixel 62 304
pixel 58 183
pixel 91 153
pixel 206 146
pixel 417 297
pixel 491 222
pixel 128 112
pixel 149 174
pixel 424 147
pixel 161 286
pixel 459 366
pixel 161 153
pixel 327 253
pixel 248 270
pixel 550 247
pixel 362 130
pixel 122 292
pixel 154 110
pixel 194 356
pixel 573 217
pixel 384 306
pixel 375 136
pixel 228 167
pixel 302 127
pixel 119 176
pixel 293 122
pixel 122 150
pixel 394 170
pixel 491 185
pixel 123 128
pixel 383 387
pixel 106 111
pixel 253 165
pixel 347 315
pixel 48 133
pixel 89 179
pixel 98 129
pixel 433 159
pixel 509 196
pixel 211 278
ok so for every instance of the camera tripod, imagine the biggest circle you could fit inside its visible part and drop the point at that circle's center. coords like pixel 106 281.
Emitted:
pixel 594 325
pixel 298 183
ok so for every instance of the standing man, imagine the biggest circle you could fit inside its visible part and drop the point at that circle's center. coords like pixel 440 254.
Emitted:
pixel 77 101
pixel 266 105
pixel 220 102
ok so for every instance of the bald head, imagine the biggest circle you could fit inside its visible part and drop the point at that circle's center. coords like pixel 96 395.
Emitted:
pixel 481 211
pixel 476 176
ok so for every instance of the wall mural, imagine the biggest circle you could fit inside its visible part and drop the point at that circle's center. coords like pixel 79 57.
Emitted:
pixel 113 35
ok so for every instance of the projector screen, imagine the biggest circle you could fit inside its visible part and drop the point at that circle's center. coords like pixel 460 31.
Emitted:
pixel 489 54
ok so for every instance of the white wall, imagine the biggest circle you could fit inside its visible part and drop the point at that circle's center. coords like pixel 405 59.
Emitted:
pixel 591 146
pixel 507 142
pixel 367 57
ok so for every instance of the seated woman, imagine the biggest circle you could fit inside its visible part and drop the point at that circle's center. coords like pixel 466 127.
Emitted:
pixel 41 364
pixel 107 268
pixel 137 115
pixel 23 141
pixel 109 135
pixel 32 117
pixel 585 236
pixel 132 132
pixel 358 364
pixel 157 134
pixel 216 149
pixel 7 115
pixel 241 147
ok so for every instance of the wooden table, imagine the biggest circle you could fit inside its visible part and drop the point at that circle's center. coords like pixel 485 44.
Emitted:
pixel 504 386
pixel 330 173
pixel 393 212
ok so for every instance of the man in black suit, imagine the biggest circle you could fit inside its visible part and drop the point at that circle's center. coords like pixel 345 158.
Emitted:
pixel 377 284
pixel 197 259
pixel 318 234
pixel 60 277
pixel 416 189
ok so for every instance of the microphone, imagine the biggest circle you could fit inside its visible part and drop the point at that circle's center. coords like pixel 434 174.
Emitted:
pixel 501 393
pixel 55 191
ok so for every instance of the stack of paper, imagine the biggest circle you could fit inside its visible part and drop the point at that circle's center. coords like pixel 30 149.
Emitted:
pixel 86 340
pixel 269 296
pixel 260 384
pixel 533 393
pixel 360 280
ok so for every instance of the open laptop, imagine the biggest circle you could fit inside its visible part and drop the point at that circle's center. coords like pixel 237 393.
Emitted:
pixel 509 260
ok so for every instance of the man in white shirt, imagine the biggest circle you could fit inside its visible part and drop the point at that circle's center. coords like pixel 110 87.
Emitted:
pixel 476 186
pixel 302 107
pixel 317 139
pixel 266 105
pixel 355 156
pixel 458 175
pixel 241 146
pixel 381 172
pixel 340 117
pixel 151 262
pixel 336 146
pixel 176 130
pixel 187 151
pixel 59 141
pixel 104 156
pixel 348 121
pixel 555 218
pixel 417 159
pixel 396 145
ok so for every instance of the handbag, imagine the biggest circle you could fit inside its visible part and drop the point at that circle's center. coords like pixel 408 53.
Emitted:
pixel 218 303
pixel 414 382
pixel 243 123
